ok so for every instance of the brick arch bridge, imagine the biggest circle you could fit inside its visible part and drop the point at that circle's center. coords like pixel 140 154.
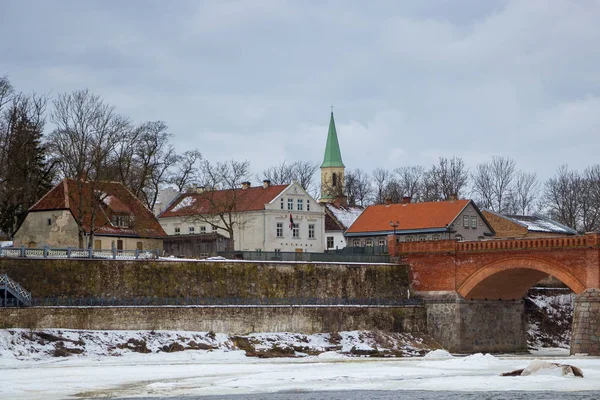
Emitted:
pixel 493 276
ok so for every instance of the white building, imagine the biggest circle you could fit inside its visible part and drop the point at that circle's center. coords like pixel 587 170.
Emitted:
pixel 263 218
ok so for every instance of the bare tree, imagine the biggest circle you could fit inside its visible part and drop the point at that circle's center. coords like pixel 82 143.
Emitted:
pixel 523 194
pixel 562 196
pixel 446 179
pixel 155 156
pixel 381 178
pixel 502 169
pixel 482 186
pixel 358 187
pixel 281 174
pixel 590 199
pixel 187 169
pixel 410 180
pixel 222 205
pixel 301 171
pixel 87 132
pixel 304 174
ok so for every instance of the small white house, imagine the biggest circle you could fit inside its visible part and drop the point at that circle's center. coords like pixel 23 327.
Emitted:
pixel 279 218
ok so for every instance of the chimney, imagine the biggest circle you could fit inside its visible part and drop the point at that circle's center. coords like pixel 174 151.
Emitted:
pixel 388 201
pixel 245 185
pixel 266 183
pixel 406 200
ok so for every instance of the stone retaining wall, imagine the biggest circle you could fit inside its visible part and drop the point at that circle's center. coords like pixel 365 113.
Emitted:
pixel 151 278
pixel 236 320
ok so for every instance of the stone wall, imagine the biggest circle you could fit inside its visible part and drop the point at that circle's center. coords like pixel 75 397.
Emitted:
pixel 477 326
pixel 586 323
pixel 150 278
pixel 232 320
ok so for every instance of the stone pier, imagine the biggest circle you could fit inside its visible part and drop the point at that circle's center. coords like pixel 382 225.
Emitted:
pixel 469 326
pixel 586 324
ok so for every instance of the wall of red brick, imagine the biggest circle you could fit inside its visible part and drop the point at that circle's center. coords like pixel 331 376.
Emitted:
pixel 501 269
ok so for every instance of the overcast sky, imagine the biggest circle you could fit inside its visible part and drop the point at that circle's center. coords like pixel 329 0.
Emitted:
pixel 410 80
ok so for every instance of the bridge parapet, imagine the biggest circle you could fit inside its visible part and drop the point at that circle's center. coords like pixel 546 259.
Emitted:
pixel 452 246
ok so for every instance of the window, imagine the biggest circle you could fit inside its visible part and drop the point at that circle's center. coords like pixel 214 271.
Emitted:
pixel 280 229
pixel 49 221
pixel 291 204
pixel 311 231
pixel 191 229
pixel 436 237
pixel 277 250
pixel 369 242
pixel 381 242
pixel 409 238
pixel 473 222
pixel 300 205
pixel 177 230
pixel 334 180
pixel 214 229
pixel 330 242
pixel 281 203
pixel 139 245
pixel 459 238
pixel 307 205
pixel 120 220
pixel 465 221
pixel 422 238
pixel 296 231
pixel 203 229
pixel 356 243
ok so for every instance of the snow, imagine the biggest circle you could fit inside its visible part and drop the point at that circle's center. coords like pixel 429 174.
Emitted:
pixel 184 203
pixel 537 223
pixel 439 354
pixel 25 374
pixel 346 215
pixel 6 244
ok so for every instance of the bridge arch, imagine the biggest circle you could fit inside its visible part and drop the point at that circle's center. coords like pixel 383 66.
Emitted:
pixel 511 277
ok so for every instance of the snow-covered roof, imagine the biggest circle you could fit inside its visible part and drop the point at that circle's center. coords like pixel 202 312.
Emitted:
pixel 345 215
pixel 538 223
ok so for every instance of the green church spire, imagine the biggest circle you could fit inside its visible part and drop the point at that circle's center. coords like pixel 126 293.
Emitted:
pixel 333 155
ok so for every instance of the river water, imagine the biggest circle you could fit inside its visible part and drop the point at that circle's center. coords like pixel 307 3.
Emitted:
pixel 398 395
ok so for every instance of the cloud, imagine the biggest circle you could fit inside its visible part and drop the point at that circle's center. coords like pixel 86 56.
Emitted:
pixel 411 81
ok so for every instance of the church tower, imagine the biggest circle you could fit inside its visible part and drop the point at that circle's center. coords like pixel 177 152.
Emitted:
pixel 332 169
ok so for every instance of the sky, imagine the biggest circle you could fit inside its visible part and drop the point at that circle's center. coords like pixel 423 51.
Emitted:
pixel 410 80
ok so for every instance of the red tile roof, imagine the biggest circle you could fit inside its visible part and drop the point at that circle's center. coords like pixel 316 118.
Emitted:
pixel 217 201
pixel 410 216
pixel 116 199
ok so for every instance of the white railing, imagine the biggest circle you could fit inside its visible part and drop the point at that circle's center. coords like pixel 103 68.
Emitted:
pixel 48 252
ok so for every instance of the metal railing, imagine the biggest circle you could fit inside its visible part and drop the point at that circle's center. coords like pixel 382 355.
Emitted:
pixel 220 301
pixel 18 294
pixel 332 257
pixel 49 252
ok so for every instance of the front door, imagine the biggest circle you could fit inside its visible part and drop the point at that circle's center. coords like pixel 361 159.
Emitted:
pixel 119 245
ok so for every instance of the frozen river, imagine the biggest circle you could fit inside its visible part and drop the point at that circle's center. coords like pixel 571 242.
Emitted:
pixel 232 375
pixel 401 395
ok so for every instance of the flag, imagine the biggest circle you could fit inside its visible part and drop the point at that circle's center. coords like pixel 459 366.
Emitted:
pixel 291 222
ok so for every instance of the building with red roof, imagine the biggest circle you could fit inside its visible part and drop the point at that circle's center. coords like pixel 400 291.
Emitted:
pixel 257 218
pixel 105 212
pixel 439 220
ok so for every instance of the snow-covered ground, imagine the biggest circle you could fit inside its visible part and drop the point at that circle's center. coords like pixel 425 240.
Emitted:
pixel 27 371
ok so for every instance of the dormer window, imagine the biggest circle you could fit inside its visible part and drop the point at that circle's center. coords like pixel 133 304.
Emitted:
pixel 120 221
